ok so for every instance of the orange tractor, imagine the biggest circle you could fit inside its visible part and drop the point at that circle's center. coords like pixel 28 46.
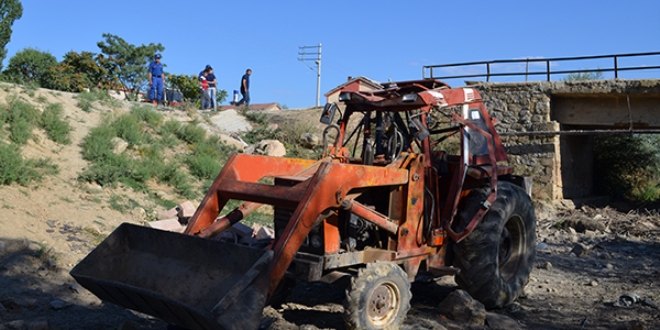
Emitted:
pixel 383 204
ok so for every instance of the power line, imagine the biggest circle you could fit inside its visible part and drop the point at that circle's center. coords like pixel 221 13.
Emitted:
pixel 306 54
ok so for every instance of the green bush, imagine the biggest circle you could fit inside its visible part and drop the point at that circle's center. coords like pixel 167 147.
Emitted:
pixel 628 166
pixel 191 134
pixel 86 99
pixel 56 128
pixel 21 117
pixel 14 169
pixel 147 115
pixel 97 145
pixel 128 128
pixel 208 157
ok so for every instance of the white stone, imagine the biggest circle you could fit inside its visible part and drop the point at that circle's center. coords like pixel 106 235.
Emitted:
pixel 229 121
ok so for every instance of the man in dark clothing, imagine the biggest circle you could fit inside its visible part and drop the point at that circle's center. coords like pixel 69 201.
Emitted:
pixel 245 88
pixel 156 80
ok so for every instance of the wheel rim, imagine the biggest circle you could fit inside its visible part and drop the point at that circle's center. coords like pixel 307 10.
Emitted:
pixel 383 304
pixel 511 248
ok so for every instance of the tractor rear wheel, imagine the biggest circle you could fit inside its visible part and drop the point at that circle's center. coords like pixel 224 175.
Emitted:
pixel 497 257
pixel 379 298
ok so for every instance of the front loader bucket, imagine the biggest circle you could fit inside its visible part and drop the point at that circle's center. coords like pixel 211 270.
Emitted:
pixel 193 282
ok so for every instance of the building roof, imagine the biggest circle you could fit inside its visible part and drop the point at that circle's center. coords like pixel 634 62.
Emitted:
pixel 369 82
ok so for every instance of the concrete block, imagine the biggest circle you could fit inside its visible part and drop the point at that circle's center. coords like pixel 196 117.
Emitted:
pixel 169 214
pixel 186 209
pixel 168 225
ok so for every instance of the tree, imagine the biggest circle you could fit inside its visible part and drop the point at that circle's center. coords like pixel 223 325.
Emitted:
pixel 78 71
pixel 28 66
pixel 10 10
pixel 129 62
pixel 188 85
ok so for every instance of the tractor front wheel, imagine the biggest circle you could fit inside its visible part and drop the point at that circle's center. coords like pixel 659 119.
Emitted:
pixel 496 258
pixel 379 298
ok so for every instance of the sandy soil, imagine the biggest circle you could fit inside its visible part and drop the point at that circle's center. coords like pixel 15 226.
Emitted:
pixel 48 228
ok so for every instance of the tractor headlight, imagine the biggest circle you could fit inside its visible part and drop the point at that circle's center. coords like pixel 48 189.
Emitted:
pixel 409 97
pixel 344 96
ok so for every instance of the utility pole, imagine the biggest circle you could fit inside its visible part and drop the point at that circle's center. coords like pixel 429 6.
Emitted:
pixel 306 53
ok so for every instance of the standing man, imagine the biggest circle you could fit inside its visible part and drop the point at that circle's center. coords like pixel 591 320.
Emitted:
pixel 213 87
pixel 203 88
pixel 156 80
pixel 245 88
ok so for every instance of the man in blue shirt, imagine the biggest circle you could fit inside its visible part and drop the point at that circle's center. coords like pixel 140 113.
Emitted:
pixel 245 88
pixel 156 80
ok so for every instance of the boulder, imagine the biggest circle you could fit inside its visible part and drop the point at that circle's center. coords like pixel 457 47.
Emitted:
pixel 459 306
pixel 118 145
pixel 309 140
pixel 501 322
pixel 267 147
pixel 233 142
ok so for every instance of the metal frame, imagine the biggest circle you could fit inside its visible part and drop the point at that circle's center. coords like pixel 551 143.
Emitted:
pixel 548 61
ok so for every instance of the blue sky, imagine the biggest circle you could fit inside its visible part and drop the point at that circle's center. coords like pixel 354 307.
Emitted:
pixel 378 39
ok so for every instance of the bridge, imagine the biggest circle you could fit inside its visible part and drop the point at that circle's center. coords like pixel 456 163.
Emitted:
pixel 548 127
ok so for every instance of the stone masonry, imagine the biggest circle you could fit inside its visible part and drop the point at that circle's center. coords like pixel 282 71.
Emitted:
pixel 528 107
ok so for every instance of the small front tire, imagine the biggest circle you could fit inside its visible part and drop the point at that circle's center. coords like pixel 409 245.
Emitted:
pixel 379 298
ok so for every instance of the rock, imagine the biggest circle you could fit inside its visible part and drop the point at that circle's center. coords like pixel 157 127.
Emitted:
pixel 424 325
pixel 169 214
pixel 37 325
pixel 75 287
pixel 273 126
pixel 579 249
pixel 16 325
pixel 267 147
pixel 461 307
pixel 186 210
pixel 593 283
pixel 233 141
pixel 50 263
pixel 118 145
pixel 229 121
pixel 541 246
pixel 139 214
pixel 635 325
pixel 309 140
pixel 51 223
pixel 546 265
pixel 167 225
pixel 128 325
pixel 57 304
pixel 501 322
pixel 582 225
pixel 609 266
pixel 3 246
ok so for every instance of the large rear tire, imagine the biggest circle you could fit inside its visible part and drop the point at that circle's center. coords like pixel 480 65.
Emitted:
pixel 497 257
pixel 379 298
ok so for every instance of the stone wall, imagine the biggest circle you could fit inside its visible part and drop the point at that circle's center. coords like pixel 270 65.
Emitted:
pixel 527 107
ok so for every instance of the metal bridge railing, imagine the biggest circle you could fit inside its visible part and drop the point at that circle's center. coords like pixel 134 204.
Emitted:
pixel 548 64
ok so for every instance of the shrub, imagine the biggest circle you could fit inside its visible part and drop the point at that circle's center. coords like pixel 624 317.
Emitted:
pixel 97 145
pixel 191 134
pixel 145 114
pixel 13 168
pixel 628 165
pixel 86 99
pixel 56 128
pixel 127 127
pixel 21 117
